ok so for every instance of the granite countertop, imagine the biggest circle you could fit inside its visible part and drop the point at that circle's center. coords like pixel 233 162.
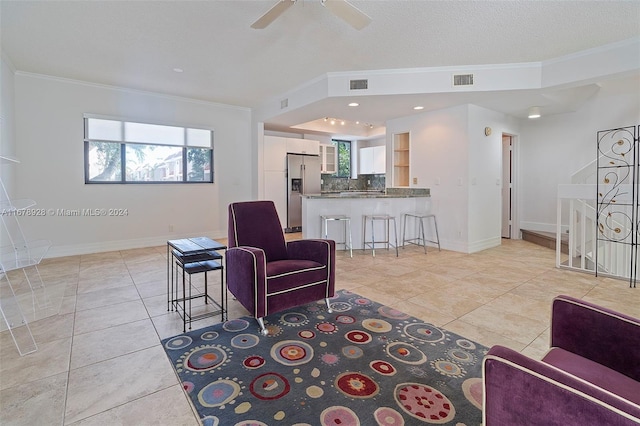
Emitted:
pixel 388 193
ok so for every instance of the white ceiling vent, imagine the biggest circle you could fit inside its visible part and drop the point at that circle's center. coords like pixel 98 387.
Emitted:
pixel 462 80
pixel 358 84
pixel 284 103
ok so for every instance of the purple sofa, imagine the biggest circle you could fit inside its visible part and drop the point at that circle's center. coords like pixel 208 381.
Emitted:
pixel 590 376
pixel 267 274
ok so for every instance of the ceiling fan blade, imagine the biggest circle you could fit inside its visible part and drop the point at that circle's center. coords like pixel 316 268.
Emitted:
pixel 347 12
pixel 271 15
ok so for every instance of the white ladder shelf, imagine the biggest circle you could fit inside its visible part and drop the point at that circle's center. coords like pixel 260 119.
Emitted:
pixel 16 253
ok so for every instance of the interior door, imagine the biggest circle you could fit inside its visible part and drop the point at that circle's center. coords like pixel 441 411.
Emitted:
pixel 507 174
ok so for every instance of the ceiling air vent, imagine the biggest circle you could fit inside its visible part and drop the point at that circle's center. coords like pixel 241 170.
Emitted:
pixel 358 84
pixel 462 80
pixel 284 103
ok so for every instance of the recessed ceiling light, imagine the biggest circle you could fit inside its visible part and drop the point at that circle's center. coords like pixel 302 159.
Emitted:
pixel 354 104
pixel 534 112
pixel 178 70
pixel 418 107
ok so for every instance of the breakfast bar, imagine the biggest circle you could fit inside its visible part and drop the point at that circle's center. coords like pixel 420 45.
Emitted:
pixel 356 204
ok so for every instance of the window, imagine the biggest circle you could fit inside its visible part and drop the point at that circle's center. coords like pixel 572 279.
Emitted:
pixel 118 151
pixel 344 158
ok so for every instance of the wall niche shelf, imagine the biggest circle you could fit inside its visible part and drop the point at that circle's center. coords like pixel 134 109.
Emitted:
pixel 401 155
pixel 19 259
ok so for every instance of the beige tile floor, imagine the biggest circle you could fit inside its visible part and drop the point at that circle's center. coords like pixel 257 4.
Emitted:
pixel 100 362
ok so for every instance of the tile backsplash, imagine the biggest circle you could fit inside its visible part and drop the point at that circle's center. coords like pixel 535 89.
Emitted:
pixel 362 183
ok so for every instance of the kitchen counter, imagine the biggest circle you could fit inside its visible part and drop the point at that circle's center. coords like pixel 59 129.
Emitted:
pixel 356 204
pixel 388 193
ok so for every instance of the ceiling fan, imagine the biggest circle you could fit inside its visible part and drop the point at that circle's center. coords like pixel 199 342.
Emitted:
pixel 341 8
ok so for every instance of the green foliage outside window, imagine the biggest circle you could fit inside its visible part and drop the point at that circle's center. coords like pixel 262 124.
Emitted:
pixel 344 158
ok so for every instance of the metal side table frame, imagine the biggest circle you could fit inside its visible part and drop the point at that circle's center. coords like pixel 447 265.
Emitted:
pixel 192 256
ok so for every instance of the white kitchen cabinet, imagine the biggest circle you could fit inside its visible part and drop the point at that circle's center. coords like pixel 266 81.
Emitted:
pixel 379 159
pixel 303 146
pixel 328 158
pixel 365 160
pixel 373 160
pixel 276 149
pixel 275 189
pixel 275 153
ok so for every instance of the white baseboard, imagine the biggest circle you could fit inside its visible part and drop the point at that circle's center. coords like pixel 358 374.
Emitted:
pixel 465 247
pixel 477 246
pixel 538 226
pixel 105 246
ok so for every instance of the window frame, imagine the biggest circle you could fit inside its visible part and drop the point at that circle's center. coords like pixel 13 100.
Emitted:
pixel 185 147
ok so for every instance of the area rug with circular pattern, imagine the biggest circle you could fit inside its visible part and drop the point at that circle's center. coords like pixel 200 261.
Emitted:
pixel 362 364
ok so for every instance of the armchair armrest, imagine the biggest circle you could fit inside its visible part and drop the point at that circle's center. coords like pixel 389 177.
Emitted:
pixel 317 250
pixel 598 334
pixel 247 276
pixel 520 390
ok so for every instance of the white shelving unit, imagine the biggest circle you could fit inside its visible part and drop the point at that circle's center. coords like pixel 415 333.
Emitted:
pixel 19 255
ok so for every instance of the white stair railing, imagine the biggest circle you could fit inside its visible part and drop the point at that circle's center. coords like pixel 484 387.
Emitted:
pixel 601 210
pixel 578 204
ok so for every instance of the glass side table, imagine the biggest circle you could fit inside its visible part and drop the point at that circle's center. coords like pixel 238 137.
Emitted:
pixel 192 256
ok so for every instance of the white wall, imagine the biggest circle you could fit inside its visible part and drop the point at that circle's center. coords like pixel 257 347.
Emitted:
pixel 462 167
pixel 555 146
pixel 449 147
pixel 485 176
pixel 372 142
pixel 439 160
pixel 7 134
pixel 49 135
pixel 7 140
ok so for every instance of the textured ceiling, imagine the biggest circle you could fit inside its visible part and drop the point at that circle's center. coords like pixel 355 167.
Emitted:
pixel 137 44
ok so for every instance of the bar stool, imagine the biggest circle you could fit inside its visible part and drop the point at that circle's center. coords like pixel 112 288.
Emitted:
pixel 346 222
pixel 379 217
pixel 421 240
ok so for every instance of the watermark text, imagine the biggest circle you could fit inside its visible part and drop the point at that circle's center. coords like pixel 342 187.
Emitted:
pixel 59 212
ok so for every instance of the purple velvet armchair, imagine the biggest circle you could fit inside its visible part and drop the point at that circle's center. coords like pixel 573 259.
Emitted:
pixel 590 376
pixel 267 274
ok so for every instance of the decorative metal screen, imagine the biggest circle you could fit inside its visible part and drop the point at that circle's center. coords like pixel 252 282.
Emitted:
pixel 618 173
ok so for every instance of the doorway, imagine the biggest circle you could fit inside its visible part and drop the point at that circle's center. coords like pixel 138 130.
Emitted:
pixel 507 185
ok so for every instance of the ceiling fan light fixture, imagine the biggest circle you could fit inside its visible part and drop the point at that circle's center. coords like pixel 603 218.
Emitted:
pixel 340 8
pixel 278 9
pixel 534 112
pixel 348 13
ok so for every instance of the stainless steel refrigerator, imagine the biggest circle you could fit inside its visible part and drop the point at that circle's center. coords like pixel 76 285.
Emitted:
pixel 303 177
